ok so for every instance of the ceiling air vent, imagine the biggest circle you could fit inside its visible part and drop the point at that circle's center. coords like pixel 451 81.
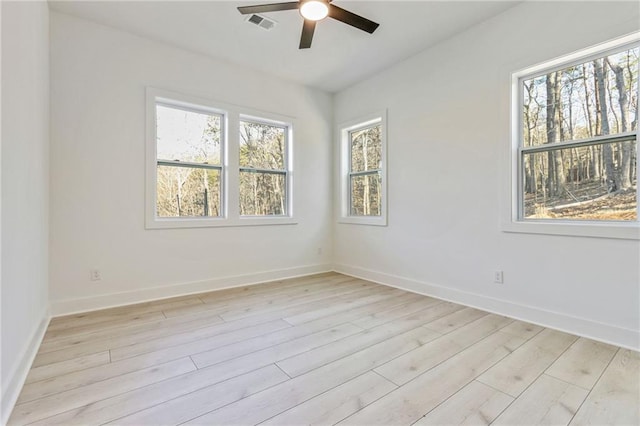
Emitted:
pixel 261 21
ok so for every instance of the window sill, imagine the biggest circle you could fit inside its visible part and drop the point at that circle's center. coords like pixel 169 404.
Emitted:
pixel 218 222
pixel 625 231
pixel 363 220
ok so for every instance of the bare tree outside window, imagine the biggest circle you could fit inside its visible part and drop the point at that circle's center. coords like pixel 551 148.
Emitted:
pixel 263 169
pixel 578 142
pixel 188 162
pixel 365 168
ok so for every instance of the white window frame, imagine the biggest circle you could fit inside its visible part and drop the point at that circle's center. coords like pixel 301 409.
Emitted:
pixel 513 220
pixel 345 129
pixel 230 175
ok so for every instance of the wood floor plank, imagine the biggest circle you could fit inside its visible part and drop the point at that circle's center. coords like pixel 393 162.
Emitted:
pixel 263 341
pixel 455 320
pixel 202 401
pixel 146 360
pixel 277 399
pixel 284 350
pixel 114 323
pixel 412 364
pixel 132 334
pixel 355 298
pixel 337 403
pixel 520 369
pixel 65 367
pixel 300 284
pixel 217 341
pixel 273 287
pixel 237 309
pixel 244 347
pixel 548 401
pixel 523 329
pixel 383 317
pixel 583 363
pixel 74 398
pixel 614 398
pixel 135 347
pixel 354 313
pixel 131 402
pixel 300 364
pixel 475 404
pixel 270 287
pixel 428 390
pixel 73 321
pixel 216 335
pixel 128 334
pixel 254 303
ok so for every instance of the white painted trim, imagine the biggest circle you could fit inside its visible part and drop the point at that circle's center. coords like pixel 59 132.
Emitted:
pixel 11 390
pixel 85 304
pixel 602 332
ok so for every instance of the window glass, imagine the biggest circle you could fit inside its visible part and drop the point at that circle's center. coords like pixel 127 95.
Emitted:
pixel 188 152
pixel 263 170
pixel 590 108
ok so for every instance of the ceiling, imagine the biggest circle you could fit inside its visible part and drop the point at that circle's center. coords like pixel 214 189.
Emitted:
pixel 339 57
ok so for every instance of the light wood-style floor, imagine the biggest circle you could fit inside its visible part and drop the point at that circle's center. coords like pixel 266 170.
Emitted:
pixel 323 349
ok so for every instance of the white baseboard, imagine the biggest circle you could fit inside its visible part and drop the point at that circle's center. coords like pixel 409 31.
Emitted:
pixel 606 333
pixel 85 304
pixel 11 390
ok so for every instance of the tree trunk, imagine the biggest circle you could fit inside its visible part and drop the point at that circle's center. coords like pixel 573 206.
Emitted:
pixel 366 208
pixel 607 149
pixel 557 182
pixel 625 164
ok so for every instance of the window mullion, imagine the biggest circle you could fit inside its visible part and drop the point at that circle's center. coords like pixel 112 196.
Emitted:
pixel 365 172
pixel 597 140
pixel 186 164
pixel 267 171
pixel 232 173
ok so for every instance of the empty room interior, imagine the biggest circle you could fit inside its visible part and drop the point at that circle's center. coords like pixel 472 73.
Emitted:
pixel 319 212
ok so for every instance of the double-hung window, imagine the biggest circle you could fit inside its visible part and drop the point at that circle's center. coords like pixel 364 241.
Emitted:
pixel 214 164
pixel 575 164
pixel 263 168
pixel 189 161
pixel 363 165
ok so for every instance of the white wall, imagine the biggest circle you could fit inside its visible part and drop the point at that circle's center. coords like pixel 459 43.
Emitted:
pixel 98 77
pixel 25 190
pixel 444 237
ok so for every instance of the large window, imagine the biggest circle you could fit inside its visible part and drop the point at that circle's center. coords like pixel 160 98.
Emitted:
pixel 363 171
pixel 210 164
pixel 576 156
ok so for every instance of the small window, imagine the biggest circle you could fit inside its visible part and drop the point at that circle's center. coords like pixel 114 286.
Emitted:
pixel 576 156
pixel 263 168
pixel 363 172
pixel 189 166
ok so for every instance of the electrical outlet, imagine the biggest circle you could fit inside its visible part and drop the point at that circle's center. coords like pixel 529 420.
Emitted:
pixel 498 277
pixel 94 274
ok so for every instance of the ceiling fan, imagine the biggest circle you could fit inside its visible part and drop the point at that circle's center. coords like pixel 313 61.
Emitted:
pixel 313 11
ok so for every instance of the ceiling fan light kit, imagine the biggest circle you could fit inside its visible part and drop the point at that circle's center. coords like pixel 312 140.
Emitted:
pixel 313 11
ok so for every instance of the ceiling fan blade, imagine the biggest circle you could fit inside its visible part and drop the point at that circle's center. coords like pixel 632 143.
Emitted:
pixel 263 8
pixel 352 19
pixel 307 33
